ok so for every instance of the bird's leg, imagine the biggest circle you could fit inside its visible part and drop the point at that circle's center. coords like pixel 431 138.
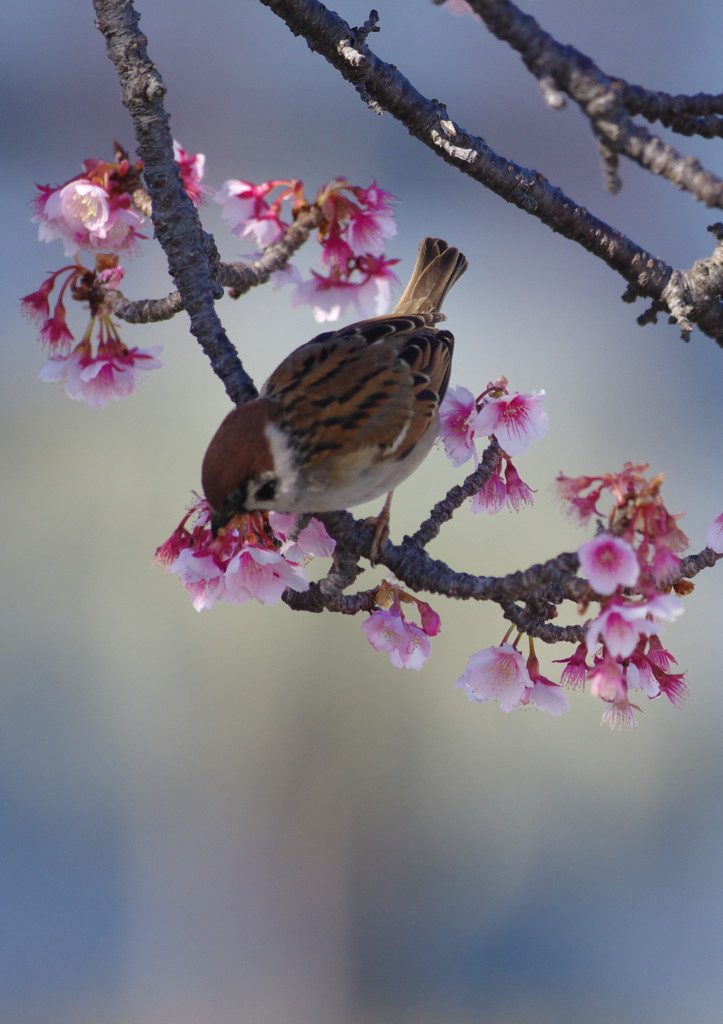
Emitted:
pixel 381 530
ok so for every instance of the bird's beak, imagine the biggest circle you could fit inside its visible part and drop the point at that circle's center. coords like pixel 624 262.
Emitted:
pixel 220 520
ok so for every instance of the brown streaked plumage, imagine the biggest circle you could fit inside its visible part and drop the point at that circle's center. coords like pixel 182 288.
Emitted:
pixel 345 417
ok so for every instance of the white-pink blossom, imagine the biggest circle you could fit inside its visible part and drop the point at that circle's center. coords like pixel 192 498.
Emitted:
pixel 113 372
pixel 191 167
pixel 372 223
pixel 496 673
pixel 312 542
pixel 548 696
pixel 456 415
pixel 246 211
pixel 201 574
pixel 492 498
pixel 620 624
pixel 514 420
pixel 85 216
pixel 327 297
pixel 460 7
pixel 608 562
pixel 263 575
pixel 406 645
pixel 714 536
pixel 371 296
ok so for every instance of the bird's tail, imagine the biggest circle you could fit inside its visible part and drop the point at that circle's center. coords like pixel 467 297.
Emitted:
pixel 438 266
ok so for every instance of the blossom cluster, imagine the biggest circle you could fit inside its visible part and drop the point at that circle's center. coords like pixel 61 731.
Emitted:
pixel 257 557
pixel 628 565
pixel 388 629
pixel 100 212
pixel 515 420
pixel 355 224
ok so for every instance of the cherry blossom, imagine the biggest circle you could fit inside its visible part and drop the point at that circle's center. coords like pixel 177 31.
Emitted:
pixel 328 297
pixel 608 562
pixel 256 572
pixel 191 167
pixel 311 542
pixel 372 221
pixel 514 419
pixel 84 215
pixel 460 7
pixel 372 294
pixel 714 536
pixel 576 668
pixel 512 492
pixel 496 673
pixel 245 210
pixel 55 331
pixel 201 574
pixel 113 372
pixel 492 498
pixel 547 696
pixel 36 306
pixel 620 624
pixel 406 644
pixel 456 416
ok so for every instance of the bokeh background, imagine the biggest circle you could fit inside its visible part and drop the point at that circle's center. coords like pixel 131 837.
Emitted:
pixel 248 815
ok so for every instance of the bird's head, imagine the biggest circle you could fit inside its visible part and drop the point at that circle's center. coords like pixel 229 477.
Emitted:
pixel 238 468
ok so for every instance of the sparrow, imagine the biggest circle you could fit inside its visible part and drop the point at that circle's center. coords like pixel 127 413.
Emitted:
pixel 346 417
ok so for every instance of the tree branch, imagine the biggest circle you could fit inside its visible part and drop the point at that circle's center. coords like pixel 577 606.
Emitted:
pixel 688 297
pixel 191 253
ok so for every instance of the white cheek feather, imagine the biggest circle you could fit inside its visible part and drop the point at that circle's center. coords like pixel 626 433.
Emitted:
pixel 284 468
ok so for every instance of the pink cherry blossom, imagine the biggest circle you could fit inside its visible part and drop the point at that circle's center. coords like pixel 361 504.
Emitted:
pixel 519 493
pixel 114 372
pixel 191 166
pixel 606 679
pixel 620 624
pixel 576 669
pixel 431 622
pixel 570 489
pixel 512 492
pixel 371 295
pixel 282 523
pixel 312 542
pixel 456 415
pixel 620 713
pixel 55 331
pixel 36 306
pixel 372 222
pixel 201 574
pixel 608 562
pixel 639 675
pixel 714 536
pixel 84 215
pixel 514 420
pixel 460 7
pixel 336 253
pixel 492 498
pixel 328 297
pixel 264 575
pixel 548 696
pixel 496 673
pixel 406 644
pixel 245 209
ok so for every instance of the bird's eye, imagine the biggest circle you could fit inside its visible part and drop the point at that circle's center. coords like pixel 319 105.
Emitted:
pixel 267 490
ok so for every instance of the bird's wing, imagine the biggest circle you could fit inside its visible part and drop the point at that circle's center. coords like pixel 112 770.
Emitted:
pixel 374 384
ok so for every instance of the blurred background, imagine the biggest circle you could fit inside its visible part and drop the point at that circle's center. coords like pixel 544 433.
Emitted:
pixel 247 814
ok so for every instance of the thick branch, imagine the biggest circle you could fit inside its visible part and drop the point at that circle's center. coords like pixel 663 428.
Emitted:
pixel 386 88
pixel 191 253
